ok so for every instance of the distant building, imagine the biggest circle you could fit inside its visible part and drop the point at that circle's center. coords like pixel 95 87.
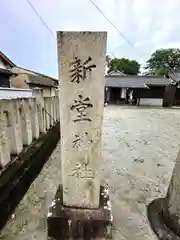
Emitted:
pixel 17 77
pixel 172 91
pixel 27 79
pixel 5 62
pixel 148 89
pixel 5 65
pixel 116 72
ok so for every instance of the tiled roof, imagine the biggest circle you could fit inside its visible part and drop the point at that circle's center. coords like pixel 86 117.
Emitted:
pixel 135 81
pixel 116 72
pixel 174 76
pixel 153 80
pixel 37 73
pixel 41 80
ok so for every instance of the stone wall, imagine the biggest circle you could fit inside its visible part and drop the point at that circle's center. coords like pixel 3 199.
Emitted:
pixel 23 120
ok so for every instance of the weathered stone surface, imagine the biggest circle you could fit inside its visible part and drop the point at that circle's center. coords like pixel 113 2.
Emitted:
pixel 72 223
pixel 40 106
pixel 41 119
pixel 169 213
pixel 173 198
pixel 81 69
pixel 57 104
pixel 54 109
pixel 14 128
pixel 51 111
pixel 26 122
pixel 34 118
pixel 169 95
pixel 47 112
pixel 4 144
pixel 128 133
pixel 158 221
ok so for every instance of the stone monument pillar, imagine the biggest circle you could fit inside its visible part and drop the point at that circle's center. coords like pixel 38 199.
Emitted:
pixel 81 206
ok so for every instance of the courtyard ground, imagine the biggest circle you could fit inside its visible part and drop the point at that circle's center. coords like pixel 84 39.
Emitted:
pixel 139 149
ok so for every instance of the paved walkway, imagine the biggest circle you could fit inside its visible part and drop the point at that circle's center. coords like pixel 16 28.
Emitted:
pixel 139 149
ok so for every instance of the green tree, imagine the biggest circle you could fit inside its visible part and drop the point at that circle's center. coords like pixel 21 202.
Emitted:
pixel 129 67
pixel 161 71
pixel 163 60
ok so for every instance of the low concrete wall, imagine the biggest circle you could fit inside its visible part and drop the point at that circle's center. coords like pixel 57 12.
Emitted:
pixel 29 131
pixel 14 93
pixel 20 173
pixel 151 102
pixel 23 120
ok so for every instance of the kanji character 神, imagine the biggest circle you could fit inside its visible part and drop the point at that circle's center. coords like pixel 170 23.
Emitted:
pixel 80 140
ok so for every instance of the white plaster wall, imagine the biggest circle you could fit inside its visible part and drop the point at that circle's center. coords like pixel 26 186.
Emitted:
pixel 53 92
pixel 46 92
pixel 123 93
pixel 151 101
pixel 10 93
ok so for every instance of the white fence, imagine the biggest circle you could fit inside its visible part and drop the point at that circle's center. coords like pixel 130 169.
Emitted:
pixel 22 119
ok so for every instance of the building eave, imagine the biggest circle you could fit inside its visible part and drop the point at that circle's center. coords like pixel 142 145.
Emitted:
pixel 7 60
pixel 6 72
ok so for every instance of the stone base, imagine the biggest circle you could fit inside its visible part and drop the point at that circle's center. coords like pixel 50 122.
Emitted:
pixel 155 215
pixel 76 223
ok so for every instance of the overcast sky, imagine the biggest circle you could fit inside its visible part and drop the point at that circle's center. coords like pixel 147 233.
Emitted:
pixel 148 25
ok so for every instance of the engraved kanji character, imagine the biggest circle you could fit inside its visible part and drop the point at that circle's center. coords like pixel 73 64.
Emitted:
pixel 81 139
pixel 81 105
pixel 82 171
pixel 79 69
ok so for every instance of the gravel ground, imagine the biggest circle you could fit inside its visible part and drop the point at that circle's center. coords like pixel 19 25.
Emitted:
pixel 139 149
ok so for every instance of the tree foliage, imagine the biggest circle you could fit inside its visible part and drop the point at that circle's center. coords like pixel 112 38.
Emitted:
pixel 129 67
pixel 163 60
pixel 161 71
